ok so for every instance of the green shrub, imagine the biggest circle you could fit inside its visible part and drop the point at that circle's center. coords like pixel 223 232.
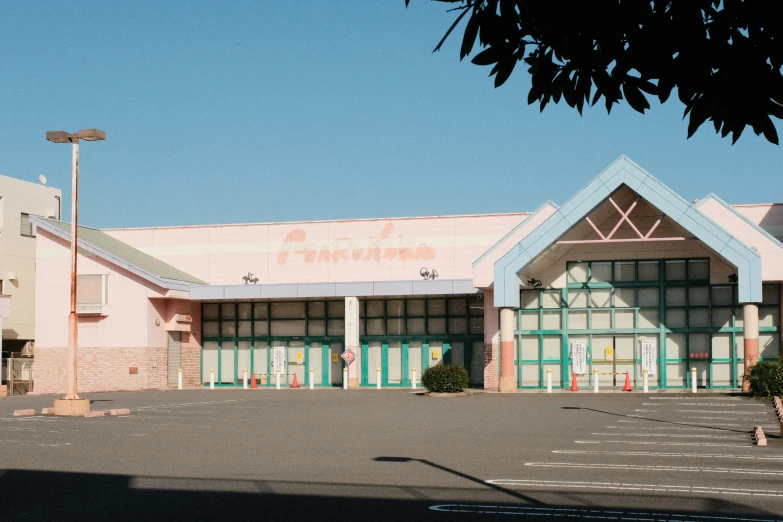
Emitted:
pixel 766 379
pixel 448 378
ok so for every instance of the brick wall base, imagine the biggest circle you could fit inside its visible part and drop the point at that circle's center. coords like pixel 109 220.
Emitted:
pixel 101 369
pixel 490 366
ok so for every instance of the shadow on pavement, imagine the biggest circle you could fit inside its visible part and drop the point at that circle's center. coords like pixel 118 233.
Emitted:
pixel 641 417
pixel 46 495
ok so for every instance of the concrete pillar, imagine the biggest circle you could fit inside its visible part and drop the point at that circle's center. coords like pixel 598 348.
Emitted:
pixel 352 339
pixel 508 378
pixel 750 317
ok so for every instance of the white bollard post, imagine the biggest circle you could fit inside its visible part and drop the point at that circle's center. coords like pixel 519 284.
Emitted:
pixel 646 389
pixel 277 379
pixel 413 379
pixel 548 380
pixel 345 378
pixel 312 374
pixel 179 379
pixel 244 379
pixel 211 379
pixel 693 380
pixel 595 381
pixel 378 378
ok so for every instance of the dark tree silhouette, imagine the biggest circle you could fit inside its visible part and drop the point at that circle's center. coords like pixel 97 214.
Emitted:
pixel 724 57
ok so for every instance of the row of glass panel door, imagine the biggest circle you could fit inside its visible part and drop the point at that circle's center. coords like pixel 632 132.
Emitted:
pixel 614 355
pixel 297 358
pixel 395 359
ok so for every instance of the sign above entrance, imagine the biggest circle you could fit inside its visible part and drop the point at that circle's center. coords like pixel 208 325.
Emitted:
pixel 348 356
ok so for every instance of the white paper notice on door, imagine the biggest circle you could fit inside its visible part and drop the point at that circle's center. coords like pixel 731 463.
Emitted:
pixel 649 354
pixel 278 359
pixel 579 356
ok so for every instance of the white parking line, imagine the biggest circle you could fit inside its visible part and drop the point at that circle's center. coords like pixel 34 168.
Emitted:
pixel 658 443
pixel 716 418
pixel 676 455
pixel 634 467
pixel 738 399
pixel 587 513
pixel 679 435
pixel 717 404
pixel 756 413
pixel 673 428
pixel 668 488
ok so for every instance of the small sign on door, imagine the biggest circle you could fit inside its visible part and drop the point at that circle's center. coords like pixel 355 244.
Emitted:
pixel 649 354
pixel 579 356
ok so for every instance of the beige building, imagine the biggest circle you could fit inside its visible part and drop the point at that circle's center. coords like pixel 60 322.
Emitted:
pixel 18 201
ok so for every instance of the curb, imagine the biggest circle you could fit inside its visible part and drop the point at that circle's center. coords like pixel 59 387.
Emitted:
pixel 758 436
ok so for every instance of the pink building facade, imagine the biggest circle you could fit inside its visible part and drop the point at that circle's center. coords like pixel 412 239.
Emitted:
pixel 625 277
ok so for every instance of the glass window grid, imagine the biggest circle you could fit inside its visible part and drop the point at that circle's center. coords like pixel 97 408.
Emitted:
pixel 663 285
pixel 467 337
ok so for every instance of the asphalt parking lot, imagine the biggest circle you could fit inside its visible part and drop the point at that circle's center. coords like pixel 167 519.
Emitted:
pixel 383 455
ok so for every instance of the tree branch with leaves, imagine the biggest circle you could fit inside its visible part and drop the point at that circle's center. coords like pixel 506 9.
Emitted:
pixel 724 57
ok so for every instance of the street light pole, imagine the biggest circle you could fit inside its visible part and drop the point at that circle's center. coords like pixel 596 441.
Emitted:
pixel 73 321
pixel 72 404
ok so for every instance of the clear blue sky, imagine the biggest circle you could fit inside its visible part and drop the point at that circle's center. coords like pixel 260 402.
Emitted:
pixel 228 112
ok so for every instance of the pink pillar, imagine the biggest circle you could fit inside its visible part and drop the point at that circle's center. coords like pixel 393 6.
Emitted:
pixel 750 314
pixel 508 379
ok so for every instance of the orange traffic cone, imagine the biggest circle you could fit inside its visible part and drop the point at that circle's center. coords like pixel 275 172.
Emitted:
pixel 574 386
pixel 253 383
pixel 295 384
pixel 627 386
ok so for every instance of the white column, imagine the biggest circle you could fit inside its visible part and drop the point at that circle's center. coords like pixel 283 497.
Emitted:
pixel 693 380
pixel 211 379
pixel 646 389
pixel 413 378
pixel 352 338
pixel 179 379
pixel 244 379
pixel 548 380
pixel 277 379
pixel 345 378
pixel 595 381
pixel 312 373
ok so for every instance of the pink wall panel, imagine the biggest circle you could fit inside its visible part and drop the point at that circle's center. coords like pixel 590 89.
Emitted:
pixel 326 251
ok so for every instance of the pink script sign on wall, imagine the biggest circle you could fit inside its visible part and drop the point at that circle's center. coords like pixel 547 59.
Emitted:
pixel 344 249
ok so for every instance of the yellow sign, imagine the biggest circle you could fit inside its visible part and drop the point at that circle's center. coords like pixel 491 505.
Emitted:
pixel 299 357
pixel 335 357
pixel 435 354
pixel 608 353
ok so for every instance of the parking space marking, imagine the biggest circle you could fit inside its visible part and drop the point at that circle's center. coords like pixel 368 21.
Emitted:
pixel 738 399
pixel 635 467
pixel 673 428
pixel 756 413
pixel 679 435
pixel 709 405
pixel 588 513
pixel 667 488
pixel 185 404
pixel 676 455
pixel 660 443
